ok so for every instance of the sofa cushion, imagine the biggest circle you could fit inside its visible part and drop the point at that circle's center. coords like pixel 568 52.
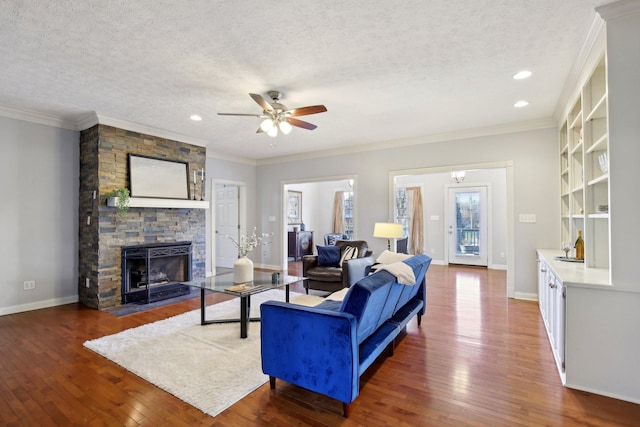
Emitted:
pixel 328 256
pixel 376 298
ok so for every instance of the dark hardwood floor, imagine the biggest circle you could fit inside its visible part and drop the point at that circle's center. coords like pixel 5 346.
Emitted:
pixel 477 359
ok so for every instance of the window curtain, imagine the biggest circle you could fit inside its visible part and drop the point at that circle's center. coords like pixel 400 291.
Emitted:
pixel 416 222
pixel 338 212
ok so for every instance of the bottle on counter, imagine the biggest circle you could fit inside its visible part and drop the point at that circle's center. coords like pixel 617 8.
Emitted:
pixel 579 246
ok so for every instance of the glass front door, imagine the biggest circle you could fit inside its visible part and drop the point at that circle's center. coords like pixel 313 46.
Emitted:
pixel 467 225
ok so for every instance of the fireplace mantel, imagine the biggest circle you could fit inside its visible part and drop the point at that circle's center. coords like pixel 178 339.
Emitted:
pixel 144 202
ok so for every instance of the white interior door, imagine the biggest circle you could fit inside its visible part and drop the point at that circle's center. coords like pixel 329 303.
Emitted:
pixel 467 228
pixel 227 224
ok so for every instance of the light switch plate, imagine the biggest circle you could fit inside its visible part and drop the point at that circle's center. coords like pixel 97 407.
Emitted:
pixel 527 217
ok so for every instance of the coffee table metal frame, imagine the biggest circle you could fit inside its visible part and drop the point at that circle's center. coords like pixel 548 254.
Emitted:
pixel 262 281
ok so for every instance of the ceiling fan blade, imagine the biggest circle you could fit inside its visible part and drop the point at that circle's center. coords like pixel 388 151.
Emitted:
pixel 261 102
pixel 301 124
pixel 239 114
pixel 259 130
pixel 305 111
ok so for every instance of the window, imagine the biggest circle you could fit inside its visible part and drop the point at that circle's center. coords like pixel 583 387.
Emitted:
pixel 402 209
pixel 348 213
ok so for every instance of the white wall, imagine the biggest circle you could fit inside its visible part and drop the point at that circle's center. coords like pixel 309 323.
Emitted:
pixel 38 216
pixel 536 189
pixel 435 187
pixel 237 173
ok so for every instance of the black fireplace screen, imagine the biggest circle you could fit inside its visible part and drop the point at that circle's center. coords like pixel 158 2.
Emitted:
pixel 154 272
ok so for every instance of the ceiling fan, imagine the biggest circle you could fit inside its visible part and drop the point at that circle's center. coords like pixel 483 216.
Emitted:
pixel 277 117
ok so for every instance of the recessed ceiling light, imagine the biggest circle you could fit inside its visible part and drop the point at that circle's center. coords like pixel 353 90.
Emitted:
pixel 195 118
pixel 521 104
pixel 524 74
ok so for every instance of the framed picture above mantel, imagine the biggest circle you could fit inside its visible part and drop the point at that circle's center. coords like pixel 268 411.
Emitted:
pixel 158 178
pixel 294 207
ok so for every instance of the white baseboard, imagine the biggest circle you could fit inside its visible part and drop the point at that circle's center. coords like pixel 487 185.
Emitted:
pixel 632 399
pixel 491 267
pixel 526 296
pixel 268 267
pixel 38 305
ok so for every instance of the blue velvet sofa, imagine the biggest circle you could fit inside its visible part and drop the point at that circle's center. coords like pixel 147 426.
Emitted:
pixel 326 348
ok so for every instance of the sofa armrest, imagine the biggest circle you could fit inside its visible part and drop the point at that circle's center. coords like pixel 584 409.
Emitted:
pixel 309 262
pixel 313 348
pixel 355 269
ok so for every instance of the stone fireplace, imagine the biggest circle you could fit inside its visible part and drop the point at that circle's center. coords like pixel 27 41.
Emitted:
pixel 103 232
pixel 153 272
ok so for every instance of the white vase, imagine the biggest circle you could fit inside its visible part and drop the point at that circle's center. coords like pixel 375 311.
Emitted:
pixel 243 270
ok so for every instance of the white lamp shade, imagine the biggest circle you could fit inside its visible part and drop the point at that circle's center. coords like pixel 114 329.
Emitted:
pixel 266 125
pixel 388 230
pixel 273 132
pixel 285 127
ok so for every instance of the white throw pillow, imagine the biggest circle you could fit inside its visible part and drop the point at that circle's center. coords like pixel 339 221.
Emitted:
pixel 348 253
pixel 388 257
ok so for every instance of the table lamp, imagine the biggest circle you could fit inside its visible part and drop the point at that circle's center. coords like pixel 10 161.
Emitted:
pixel 388 230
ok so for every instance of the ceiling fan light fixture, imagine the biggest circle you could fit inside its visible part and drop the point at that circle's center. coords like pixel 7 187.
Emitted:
pixel 285 127
pixel 273 132
pixel 266 125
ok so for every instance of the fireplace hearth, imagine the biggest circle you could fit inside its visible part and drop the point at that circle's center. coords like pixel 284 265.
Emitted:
pixel 154 272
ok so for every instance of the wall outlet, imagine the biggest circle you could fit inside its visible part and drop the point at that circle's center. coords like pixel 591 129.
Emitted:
pixel 87 282
pixel 29 284
pixel 272 218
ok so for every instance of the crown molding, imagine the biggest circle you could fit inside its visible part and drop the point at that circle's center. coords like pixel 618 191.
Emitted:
pixel 228 158
pixel 618 9
pixel 37 117
pixel 148 130
pixel 544 123
pixel 585 60
pixel 91 119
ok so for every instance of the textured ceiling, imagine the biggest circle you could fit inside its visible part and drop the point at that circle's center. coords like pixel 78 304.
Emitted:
pixel 384 70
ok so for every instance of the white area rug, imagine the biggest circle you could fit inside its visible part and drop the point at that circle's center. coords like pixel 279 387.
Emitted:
pixel 209 367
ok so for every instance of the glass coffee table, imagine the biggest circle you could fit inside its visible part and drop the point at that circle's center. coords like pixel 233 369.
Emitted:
pixel 262 281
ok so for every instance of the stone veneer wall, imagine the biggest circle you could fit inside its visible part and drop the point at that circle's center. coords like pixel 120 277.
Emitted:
pixel 104 167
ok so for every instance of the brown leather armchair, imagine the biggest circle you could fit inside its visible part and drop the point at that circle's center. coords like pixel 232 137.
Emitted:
pixel 330 278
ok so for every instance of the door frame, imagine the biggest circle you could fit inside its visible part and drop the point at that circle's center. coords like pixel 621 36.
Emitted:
pixel 284 225
pixel 508 166
pixel 242 212
pixel 447 205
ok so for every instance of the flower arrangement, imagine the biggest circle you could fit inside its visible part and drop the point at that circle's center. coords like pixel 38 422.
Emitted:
pixel 248 243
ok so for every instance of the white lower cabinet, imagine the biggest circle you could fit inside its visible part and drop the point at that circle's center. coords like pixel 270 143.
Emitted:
pixel 551 299
pixel 592 327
